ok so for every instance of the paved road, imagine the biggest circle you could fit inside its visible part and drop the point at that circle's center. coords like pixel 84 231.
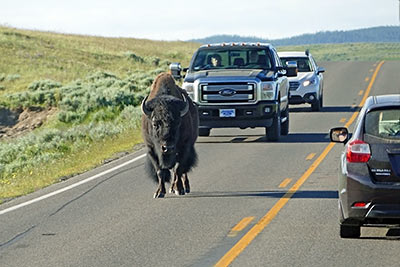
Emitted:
pixel 239 190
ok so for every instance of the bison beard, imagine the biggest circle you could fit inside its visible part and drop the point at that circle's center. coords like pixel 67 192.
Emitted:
pixel 169 128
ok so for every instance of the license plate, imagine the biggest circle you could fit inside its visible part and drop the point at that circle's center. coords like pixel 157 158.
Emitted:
pixel 227 113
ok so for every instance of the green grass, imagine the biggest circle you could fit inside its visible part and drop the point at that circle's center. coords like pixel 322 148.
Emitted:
pixel 95 84
pixel 35 55
pixel 353 51
pixel 27 180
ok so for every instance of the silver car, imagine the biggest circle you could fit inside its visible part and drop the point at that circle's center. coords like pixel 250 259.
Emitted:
pixel 307 86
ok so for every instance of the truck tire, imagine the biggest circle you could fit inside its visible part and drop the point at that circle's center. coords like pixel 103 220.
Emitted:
pixel 349 231
pixel 285 125
pixel 273 133
pixel 204 131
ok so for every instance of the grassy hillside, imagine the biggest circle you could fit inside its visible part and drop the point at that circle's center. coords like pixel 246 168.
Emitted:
pixel 94 85
pixel 27 56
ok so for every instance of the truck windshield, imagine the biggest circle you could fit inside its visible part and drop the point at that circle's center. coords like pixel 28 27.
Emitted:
pixel 303 63
pixel 242 58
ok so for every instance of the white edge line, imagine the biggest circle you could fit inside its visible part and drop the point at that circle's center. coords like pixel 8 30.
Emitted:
pixel 70 186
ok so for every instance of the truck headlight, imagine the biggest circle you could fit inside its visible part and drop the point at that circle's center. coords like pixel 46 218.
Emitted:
pixel 267 92
pixel 189 87
pixel 309 82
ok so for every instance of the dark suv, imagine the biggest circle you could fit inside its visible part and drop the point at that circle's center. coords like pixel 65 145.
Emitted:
pixel 369 175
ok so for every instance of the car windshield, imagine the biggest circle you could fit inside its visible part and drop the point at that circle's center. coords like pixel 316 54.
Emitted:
pixel 383 123
pixel 241 58
pixel 303 63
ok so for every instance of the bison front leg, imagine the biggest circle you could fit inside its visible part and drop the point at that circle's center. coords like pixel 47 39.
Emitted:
pixel 177 185
pixel 163 175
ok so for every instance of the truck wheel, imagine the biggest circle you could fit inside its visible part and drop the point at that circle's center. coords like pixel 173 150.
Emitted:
pixel 204 131
pixel 273 133
pixel 349 231
pixel 285 125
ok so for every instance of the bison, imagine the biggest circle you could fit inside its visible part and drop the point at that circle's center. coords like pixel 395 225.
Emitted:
pixel 169 129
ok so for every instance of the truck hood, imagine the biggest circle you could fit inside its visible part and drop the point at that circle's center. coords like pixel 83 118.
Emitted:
pixel 226 74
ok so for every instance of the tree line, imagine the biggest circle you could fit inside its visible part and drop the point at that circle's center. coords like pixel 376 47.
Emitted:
pixel 382 34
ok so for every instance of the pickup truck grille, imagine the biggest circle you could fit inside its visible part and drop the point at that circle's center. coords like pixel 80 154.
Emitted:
pixel 293 86
pixel 234 92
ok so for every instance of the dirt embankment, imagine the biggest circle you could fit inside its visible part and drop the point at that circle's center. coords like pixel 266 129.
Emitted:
pixel 17 122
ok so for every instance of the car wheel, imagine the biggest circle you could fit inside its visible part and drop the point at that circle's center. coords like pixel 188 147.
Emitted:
pixel 321 101
pixel 204 131
pixel 316 106
pixel 349 231
pixel 273 133
pixel 285 125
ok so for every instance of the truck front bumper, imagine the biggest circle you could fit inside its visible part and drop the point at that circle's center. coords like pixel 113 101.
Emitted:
pixel 260 114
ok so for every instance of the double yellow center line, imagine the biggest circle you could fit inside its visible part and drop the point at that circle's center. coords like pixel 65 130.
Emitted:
pixel 230 256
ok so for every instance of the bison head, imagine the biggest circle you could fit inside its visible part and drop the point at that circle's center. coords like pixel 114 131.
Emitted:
pixel 164 115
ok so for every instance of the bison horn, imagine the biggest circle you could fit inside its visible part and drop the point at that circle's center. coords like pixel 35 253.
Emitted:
pixel 145 110
pixel 185 110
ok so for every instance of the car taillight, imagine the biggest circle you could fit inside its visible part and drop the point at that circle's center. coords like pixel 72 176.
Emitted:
pixel 358 151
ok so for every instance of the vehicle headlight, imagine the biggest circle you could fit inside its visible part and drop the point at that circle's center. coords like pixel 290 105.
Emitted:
pixel 267 91
pixel 309 82
pixel 189 87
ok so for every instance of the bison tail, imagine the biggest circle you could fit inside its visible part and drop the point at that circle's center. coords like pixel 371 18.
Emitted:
pixel 152 173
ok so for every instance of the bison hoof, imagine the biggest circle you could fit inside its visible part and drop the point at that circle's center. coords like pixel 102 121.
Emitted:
pixel 180 192
pixel 159 195
pixel 187 190
pixel 171 191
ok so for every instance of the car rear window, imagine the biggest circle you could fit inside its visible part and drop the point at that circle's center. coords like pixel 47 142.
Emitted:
pixel 383 123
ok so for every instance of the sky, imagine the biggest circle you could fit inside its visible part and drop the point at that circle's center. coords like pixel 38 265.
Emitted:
pixel 187 19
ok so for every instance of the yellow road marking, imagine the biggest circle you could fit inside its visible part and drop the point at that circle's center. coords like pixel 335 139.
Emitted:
pixel 285 182
pixel 310 156
pixel 231 255
pixel 371 83
pixel 343 119
pixel 367 79
pixel 361 92
pixel 240 226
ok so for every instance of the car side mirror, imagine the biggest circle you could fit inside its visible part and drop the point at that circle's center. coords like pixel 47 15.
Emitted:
pixel 291 69
pixel 281 71
pixel 175 69
pixel 339 135
pixel 321 70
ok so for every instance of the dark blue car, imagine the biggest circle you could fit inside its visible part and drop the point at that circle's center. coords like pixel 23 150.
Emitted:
pixel 369 176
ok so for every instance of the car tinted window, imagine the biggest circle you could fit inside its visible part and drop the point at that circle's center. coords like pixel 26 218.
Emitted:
pixel 232 59
pixel 383 123
pixel 303 63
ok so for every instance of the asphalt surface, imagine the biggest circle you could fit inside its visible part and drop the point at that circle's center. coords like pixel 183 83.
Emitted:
pixel 113 220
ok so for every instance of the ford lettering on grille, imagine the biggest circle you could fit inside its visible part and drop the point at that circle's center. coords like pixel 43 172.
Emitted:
pixel 227 92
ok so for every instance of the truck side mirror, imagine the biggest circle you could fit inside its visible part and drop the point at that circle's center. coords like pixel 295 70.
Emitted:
pixel 291 69
pixel 175 69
